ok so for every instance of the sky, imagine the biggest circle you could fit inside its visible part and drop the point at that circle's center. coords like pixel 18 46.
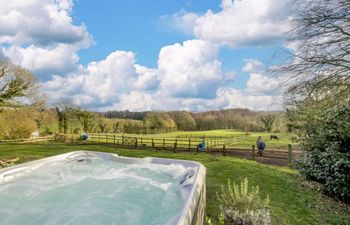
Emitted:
pixel 150 55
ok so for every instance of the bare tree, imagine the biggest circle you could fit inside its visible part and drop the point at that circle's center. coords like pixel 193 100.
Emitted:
pixel 319 69
pixel 15 82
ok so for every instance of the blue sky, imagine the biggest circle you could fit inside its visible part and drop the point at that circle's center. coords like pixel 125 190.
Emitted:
pixel 159 55
pixel 132 26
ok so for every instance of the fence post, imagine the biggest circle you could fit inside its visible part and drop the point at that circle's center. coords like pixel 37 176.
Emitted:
pixel 197 148
pixel 224 150
pixel 123 139
pixel 152 143
pixel 253 152
pixel 136 142
pixel 290 157
pixel 114 138
pixel 141 142
pixel 189 144
pixel 163 143
pixel 99 137
pixel 106 139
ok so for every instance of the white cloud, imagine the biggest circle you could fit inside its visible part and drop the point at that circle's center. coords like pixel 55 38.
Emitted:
pixel 40 22
pixel 231 98
pixel 40 35
pixel 243 23
pixel 180 21
pixel 188 77
pixel 137 101
pixel 101 83
pixel 252 65
pixel 190 70
pixel 261 84
pixel 230 76
pixel 58 59
pixel 148 79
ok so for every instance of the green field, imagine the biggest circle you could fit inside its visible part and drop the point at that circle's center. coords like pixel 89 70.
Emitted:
pixel 292 199
pixel 213 138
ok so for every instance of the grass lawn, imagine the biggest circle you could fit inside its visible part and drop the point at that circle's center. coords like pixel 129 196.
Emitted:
pixel 291 202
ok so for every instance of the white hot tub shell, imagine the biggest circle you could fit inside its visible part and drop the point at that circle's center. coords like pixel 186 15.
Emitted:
pixel 192 184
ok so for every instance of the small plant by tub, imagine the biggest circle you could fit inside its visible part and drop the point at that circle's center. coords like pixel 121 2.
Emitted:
pixel 242 205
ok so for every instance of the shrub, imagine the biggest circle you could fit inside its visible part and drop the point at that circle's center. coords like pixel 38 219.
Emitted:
pixel 327 151
pixel 241 205
pixel 15 124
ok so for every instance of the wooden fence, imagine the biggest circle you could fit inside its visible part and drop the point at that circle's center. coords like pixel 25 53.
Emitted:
pixel 213 146
pixel 29 140
pixel 159 142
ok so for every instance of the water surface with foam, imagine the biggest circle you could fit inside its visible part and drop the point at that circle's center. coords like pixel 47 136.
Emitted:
pixel 92 191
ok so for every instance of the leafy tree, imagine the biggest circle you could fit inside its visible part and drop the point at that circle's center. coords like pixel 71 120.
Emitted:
pixel 267 122
pixel 159 121
pixel 86 120
pixel 15 82
pixel 184 120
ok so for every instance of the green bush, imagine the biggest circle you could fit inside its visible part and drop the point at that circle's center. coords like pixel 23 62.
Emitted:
pixel 242 205
pixel 327 151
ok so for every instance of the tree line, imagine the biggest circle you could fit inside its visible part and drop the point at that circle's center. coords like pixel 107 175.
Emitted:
pixel 67 118
pixel 241 119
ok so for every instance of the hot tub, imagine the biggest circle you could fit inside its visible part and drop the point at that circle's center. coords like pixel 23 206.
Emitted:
pixel 85 187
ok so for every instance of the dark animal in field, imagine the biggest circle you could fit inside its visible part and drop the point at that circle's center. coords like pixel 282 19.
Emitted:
pixel 274 137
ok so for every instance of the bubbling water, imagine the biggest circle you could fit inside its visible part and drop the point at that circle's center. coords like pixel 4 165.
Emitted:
pixel 92 191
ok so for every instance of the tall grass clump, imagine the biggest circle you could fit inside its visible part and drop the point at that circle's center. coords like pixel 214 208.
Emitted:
pixel 242 205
